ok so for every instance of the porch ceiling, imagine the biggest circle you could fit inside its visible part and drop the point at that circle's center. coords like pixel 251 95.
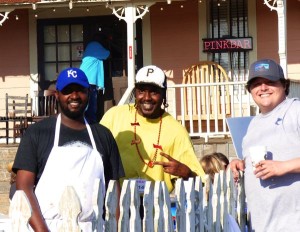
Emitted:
pixel 23 4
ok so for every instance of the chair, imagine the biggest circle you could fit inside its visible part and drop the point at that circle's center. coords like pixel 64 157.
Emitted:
pixel 208 103
pixel 16 116
pixel 50 103
pixel 47 105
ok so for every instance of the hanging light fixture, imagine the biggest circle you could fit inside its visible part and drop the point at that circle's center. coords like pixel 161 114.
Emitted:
pixel 70 5
pixel 17 17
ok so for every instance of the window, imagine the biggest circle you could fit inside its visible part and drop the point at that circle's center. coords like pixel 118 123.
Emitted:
pixel 61 43
pixel 63 47
pixel 229 19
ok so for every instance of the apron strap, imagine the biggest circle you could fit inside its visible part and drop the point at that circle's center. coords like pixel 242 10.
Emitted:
pixel 57 130
pixel 90 134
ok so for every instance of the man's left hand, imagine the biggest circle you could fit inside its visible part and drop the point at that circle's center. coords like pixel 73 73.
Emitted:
pixel 174 167
pixel 266 169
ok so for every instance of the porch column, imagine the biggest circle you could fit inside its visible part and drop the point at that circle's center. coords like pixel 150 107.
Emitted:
pixel 130 21
pixel 130 13
pixel 282 47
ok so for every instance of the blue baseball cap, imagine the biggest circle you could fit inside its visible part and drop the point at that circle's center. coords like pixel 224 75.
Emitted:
pixel 71 76
pixel 267 69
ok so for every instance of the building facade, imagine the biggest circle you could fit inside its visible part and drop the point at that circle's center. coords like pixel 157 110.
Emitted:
pixel 39 39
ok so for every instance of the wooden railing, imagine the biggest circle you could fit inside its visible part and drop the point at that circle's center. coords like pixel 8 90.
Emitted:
pixel 211 125
pixel 192 207
pixel 209 119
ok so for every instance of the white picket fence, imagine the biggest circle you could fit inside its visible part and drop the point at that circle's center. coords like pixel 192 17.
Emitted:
pixel 210 208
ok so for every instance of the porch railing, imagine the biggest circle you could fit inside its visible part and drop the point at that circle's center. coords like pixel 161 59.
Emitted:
pixel 232 100
pixel 212 125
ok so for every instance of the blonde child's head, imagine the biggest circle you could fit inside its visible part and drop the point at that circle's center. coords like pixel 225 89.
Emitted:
pixel 213 163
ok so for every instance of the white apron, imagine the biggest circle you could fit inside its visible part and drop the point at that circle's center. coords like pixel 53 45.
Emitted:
pixel 79 167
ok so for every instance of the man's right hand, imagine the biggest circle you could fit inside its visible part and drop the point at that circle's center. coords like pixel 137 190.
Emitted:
pixel 237 165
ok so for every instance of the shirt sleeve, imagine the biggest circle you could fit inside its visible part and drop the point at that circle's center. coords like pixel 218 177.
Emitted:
pixel 27 152
pixel 184 149
pixel 106 144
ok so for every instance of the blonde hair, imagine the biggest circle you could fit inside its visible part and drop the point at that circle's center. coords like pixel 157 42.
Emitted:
pixel 212 164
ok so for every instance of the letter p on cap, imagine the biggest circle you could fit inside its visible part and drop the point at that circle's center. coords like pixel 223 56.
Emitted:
pixel 149 71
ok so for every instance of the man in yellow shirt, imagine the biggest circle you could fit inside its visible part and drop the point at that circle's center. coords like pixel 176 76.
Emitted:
pixel 152 144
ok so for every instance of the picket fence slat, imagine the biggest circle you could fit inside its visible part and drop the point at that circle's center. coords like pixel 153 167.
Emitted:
pixel 148 206
pixel 189 188
pixel 111 204
pixel 123 224
pixel 180 205
pixel 19 212
pixel 69 209
pixel 135 219
pixel 208 208
pixel 158 206
pixel 209 216
pixel 168 226
pixel 199 212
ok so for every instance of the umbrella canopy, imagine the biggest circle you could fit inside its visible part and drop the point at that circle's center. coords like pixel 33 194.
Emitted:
pixel 92 63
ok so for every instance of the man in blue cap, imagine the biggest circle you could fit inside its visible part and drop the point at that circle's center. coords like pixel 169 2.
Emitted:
pixel 273 184
pixel 65 150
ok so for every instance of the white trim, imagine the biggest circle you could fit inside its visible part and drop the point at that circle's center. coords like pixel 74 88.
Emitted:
pixel 202 21
pixel 147 48
pixel 252 29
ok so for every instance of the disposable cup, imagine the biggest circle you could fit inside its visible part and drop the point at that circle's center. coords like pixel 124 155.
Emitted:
pixel 257 154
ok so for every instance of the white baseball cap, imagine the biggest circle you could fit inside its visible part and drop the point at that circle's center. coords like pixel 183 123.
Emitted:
pixel 151 74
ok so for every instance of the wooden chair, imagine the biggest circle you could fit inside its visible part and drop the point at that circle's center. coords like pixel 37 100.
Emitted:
pixel 209 102
pixel 16 116
pixel 47 105
pixel 50 103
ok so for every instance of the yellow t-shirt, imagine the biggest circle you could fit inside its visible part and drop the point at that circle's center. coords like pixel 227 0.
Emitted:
pixel 174 140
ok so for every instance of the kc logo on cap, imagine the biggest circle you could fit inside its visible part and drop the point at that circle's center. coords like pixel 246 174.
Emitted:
pixel 72 73
pixel 71 76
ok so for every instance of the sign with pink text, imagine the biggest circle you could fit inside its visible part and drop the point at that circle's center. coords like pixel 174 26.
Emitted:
pixel 227 44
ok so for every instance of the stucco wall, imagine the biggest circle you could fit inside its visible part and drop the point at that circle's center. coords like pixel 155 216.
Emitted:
pixel 267 35
pixel 7 154
pixel 14 45
pixel 14 59
pixel 175 36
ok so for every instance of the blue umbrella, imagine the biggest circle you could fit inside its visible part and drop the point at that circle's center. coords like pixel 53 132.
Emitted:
pixel 92 63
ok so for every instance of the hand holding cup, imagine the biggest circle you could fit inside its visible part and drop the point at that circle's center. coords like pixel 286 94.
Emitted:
pixel 257 154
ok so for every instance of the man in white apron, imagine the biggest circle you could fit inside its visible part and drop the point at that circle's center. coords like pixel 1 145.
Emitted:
pixel 72 156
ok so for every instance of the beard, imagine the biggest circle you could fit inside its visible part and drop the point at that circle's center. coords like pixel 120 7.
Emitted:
pixel 72 114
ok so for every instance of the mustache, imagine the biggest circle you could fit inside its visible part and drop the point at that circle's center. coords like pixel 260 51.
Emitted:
pixel 75 101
